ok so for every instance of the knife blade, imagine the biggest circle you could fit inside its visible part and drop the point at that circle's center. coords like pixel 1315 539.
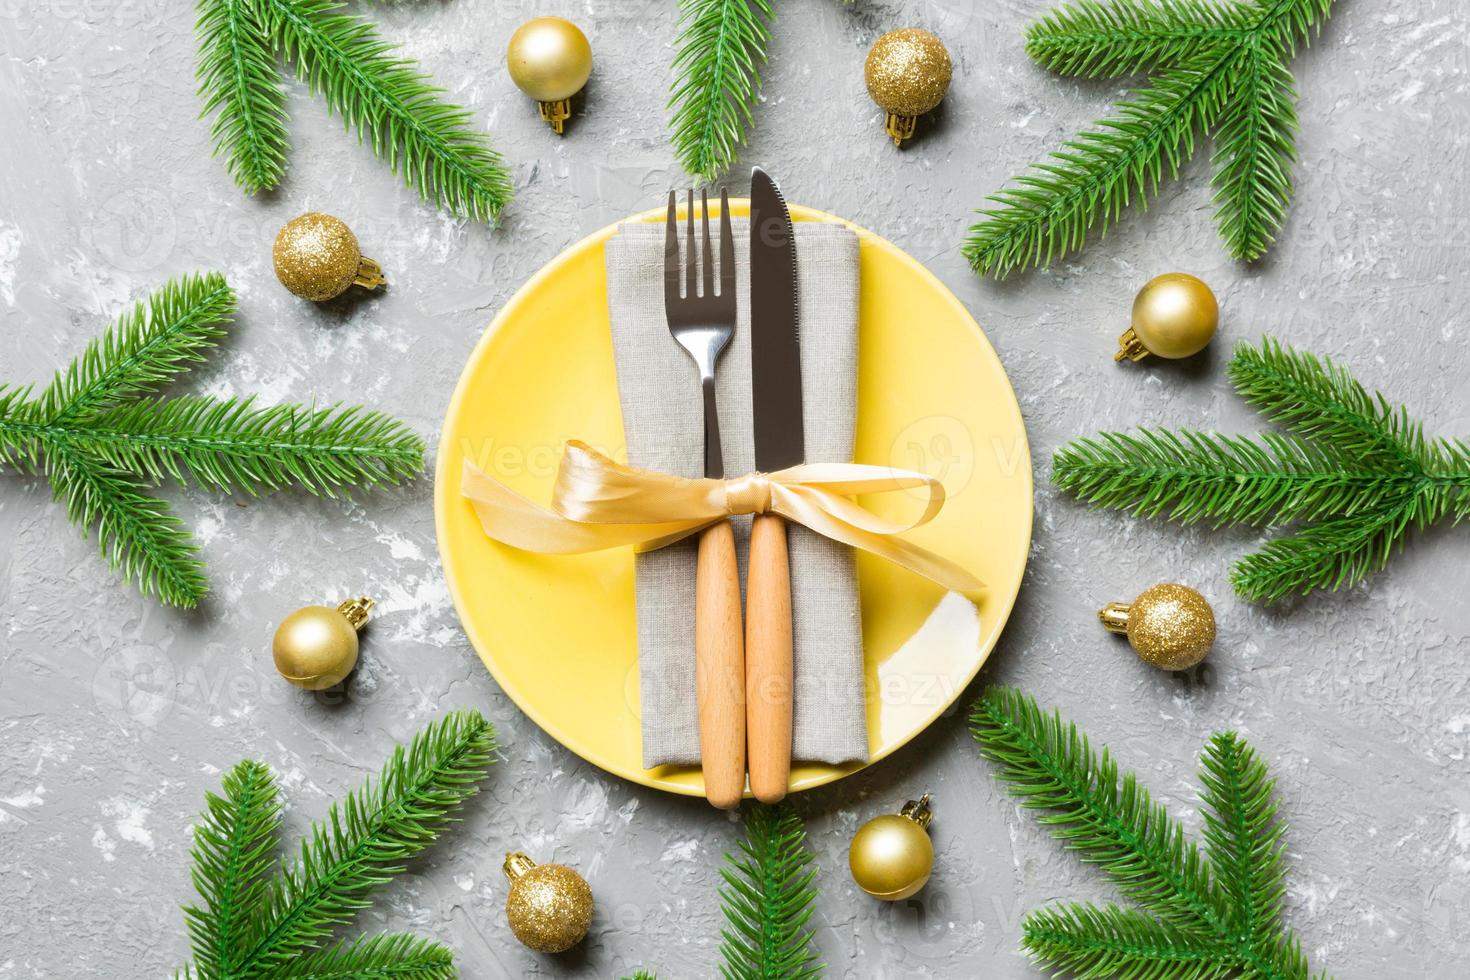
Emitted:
pixel 775 361
pixel 775 329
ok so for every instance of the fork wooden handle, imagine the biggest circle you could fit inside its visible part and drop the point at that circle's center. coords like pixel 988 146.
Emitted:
pixel 768 674
pixel 719 667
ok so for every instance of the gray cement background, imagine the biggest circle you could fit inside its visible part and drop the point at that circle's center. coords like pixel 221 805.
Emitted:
pixel 117 715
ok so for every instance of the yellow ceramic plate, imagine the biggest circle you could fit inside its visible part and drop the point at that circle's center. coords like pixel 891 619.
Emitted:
pixel 558 633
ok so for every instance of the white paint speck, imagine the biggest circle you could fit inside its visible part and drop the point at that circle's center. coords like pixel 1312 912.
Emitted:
pixel 9 257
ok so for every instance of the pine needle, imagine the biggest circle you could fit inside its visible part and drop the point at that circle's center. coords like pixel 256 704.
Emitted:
pixel 1214 915
pixel 391 104
pixel 722 46
pixel 253 926
pixel 768 900
pixel 101 440
pixel 1216 67
pixel 1353 474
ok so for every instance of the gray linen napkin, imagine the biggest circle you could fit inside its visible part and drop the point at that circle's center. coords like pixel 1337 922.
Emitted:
pixel 663 425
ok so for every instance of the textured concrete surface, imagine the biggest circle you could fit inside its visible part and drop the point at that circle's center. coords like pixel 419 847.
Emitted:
pixel 116 715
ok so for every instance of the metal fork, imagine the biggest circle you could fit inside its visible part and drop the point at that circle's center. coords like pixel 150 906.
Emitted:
pixel 702 322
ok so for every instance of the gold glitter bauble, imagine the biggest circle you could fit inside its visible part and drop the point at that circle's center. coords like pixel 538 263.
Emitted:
pixel 908 73
pixel 549 906
pixel 1174 315
pixel 891 856
pixel 316 647
pixel 317 258
pixel 1169 626
pixel 550 60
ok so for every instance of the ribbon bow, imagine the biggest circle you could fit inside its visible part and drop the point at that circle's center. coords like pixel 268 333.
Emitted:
pixel 599 503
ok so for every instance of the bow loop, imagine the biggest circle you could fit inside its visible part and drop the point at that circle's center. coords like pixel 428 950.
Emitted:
pixel 599 503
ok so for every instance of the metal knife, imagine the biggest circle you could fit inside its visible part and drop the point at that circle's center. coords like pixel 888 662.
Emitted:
pixel 775 360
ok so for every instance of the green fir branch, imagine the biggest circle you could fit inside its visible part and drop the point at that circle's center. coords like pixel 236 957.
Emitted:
pixel 1103 815
pixel 1322 400
pixel 1087 186
pixel 391 104
pixel 252 925
pixel 386 956
pixel 100 438
pixel 233 852
pixel 229 444
pixel 1216 67
pixel 139 536
pixel 1194 919
pixel 768 901
pixel 240 82
pixel 367 840
pixel 1111 941
pixel 1353 475
pixel 1255 147
pixel 722 46
pixel 153 343
pixel 1090 39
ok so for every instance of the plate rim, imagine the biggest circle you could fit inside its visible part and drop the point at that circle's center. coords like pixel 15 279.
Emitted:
pixel 445 484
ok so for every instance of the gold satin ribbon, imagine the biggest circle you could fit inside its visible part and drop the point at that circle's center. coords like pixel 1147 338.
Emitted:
pixel 599 503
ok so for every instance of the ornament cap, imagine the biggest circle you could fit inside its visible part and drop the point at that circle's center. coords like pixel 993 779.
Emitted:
pixel 369 274
pixel 1130 347
pixel 899 127
pixel 556 114
pixel 918 811
pixel 1115 616
pixel 517 864
pixel 357 611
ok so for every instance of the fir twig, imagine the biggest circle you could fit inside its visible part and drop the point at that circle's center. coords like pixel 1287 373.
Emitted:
pixel 240 82
pixel 386 956
pixel 232 854
pixel 391 104
pixel 1354 474
pixel 367 840
pixel 1196 919
pixel 101 441
pixel 230 444
pixel 140 536
pixel 253 927
pixel 722 46
pixel 1216 67
pixel 158 340
pixel 768 900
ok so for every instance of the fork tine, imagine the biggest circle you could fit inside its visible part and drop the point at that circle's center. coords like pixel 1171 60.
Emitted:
pixel 709 253
pixel 727 249
pixel 671 255
pixel 691 260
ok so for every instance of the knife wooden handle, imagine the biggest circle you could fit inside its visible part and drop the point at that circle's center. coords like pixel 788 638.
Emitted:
pixel 768 675
pixel 719 667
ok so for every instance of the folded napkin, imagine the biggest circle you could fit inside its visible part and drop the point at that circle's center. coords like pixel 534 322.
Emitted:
pixel 663 424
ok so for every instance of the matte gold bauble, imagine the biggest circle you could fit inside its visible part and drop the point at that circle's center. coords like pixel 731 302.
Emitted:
pixel 1169 626
pixel 908 73
pixel 550 60
pixel 549 906
pixel 317 258
pixel 891 856
pixel 1174 315
pixel 316 647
